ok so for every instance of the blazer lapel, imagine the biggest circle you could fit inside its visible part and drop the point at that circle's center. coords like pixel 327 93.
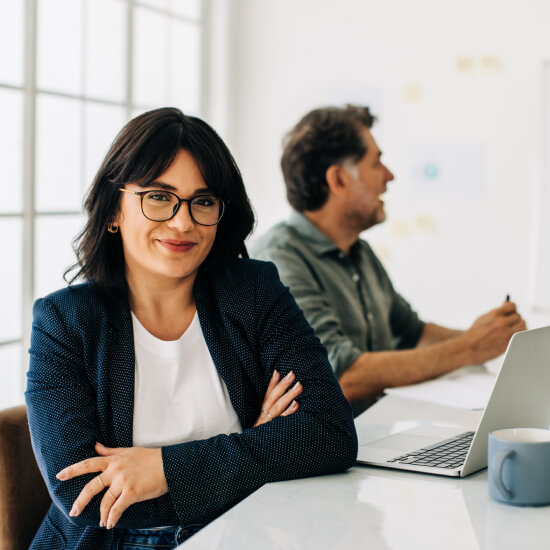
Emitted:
pixel 121 357
pixel 226 360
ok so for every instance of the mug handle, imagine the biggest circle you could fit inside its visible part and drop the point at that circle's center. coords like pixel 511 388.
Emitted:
pixel 496 473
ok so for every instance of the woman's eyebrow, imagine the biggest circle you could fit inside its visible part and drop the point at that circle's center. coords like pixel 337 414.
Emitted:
pixel 167 187
pixel 158 185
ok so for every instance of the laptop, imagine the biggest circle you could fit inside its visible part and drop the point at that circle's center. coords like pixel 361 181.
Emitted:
pixel 520 398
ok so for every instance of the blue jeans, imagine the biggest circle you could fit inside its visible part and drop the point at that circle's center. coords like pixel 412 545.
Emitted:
pixel 138 539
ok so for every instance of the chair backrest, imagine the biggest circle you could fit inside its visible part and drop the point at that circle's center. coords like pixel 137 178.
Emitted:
pixel 24 499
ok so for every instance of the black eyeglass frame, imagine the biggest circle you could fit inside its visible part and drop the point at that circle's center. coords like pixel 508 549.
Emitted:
pixel 141 194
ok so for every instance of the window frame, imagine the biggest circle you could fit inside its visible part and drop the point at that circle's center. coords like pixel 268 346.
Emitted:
pixel 31 92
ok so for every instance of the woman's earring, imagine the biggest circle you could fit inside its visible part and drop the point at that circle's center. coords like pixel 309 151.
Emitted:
pixel 112 228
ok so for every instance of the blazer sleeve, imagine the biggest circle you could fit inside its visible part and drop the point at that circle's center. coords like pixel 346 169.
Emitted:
pixel 207 477
pixel 63 419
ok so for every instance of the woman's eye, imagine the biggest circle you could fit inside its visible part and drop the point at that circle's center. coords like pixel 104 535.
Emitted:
pixel 158 197
pixel 205 201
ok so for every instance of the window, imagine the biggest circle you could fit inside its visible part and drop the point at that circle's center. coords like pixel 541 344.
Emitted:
pixel 69 84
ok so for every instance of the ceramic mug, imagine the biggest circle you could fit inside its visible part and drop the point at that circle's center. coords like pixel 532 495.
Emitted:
pixel 519 466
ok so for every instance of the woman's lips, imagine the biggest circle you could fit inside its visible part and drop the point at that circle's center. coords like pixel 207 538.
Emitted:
pixel 177 246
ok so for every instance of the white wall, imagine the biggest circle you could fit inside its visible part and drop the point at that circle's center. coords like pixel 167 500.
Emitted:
pixel 448 81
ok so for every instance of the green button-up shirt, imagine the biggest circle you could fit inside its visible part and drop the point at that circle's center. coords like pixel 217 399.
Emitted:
pixel 349 300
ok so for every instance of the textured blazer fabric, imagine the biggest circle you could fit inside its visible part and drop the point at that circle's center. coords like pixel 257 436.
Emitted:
pixel 80 390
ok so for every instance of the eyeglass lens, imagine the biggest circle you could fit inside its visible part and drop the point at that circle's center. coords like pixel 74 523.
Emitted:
pixel 161 206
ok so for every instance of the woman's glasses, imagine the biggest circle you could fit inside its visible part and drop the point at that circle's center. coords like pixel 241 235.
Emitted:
pixel 161 206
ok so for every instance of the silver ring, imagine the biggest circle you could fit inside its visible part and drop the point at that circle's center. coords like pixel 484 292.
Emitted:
pixel 266 412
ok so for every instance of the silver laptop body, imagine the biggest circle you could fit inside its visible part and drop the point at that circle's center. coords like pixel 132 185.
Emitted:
pixel 520 398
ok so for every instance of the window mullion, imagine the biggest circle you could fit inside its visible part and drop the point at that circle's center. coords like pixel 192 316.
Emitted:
pixel 29 158
pixel 205 53
pixel 130 58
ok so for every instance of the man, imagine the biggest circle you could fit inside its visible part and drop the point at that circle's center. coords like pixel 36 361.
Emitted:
pixel 334 178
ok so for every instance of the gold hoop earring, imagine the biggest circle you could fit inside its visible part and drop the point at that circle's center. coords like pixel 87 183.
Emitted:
pixel 112 228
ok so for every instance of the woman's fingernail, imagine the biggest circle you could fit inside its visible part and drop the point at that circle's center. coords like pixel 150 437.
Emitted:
pixel 294 405
pixel 61 475
pixel 101 524
pixel 296 386
pixel 274 374
pixel 289 375
pixel 73 512
pixel 109 525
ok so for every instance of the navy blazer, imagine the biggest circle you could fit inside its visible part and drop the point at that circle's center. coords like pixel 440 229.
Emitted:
pixel 80 390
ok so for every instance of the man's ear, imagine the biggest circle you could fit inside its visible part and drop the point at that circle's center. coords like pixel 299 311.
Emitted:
pixel 336 178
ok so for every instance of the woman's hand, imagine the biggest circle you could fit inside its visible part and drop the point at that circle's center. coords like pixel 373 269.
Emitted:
pixel 279 400
pixel 130 475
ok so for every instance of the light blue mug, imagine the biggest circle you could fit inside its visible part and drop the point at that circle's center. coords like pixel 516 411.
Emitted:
pixel 519 466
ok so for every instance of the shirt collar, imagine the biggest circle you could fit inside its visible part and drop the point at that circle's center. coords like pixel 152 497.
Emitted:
pixel 319 242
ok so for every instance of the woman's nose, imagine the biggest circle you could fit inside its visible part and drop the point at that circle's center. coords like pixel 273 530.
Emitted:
pixel 182 221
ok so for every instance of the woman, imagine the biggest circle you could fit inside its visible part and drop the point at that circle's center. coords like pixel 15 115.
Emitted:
pixel 163 389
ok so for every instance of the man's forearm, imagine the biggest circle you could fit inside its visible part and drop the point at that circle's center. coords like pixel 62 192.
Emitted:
pixel 434 334
pixel 372 372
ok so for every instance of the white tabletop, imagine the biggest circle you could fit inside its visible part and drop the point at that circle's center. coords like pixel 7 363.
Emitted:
pixel 377 508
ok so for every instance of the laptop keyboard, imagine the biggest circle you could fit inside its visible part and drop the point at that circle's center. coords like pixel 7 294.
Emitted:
pixel 450 453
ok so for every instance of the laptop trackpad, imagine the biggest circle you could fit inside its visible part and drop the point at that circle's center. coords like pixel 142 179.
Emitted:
pixel 414 438
pixel 405 442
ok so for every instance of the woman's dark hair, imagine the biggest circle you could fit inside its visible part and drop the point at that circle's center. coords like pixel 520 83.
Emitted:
pixel 142 151
pixel 323 137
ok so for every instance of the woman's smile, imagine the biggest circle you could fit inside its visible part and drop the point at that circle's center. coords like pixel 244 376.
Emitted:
pixel 177 246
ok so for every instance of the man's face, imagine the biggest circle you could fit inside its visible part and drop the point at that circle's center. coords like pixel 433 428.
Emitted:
pixel 367 181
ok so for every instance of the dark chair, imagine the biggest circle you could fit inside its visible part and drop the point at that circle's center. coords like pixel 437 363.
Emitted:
pixel 24 499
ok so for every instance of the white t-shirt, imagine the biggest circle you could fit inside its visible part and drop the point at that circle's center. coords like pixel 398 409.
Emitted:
pixel 179 395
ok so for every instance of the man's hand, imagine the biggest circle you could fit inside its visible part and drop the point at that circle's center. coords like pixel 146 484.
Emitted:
pixel 130 474
pixel 279 400
pixel 490 333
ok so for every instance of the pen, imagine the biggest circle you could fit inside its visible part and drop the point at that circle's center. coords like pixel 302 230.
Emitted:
pixel 507 297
